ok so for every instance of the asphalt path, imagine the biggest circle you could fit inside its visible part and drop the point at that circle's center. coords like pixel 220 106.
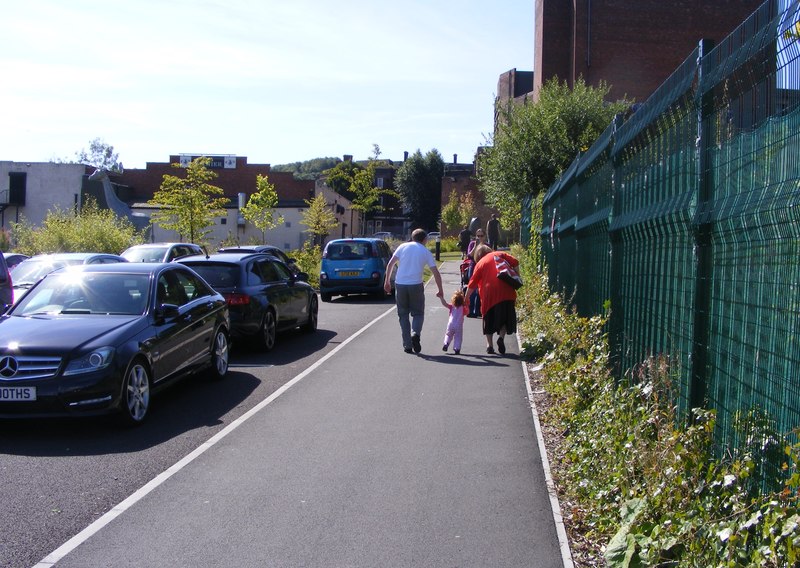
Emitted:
pixel 59 476
pixel 364 456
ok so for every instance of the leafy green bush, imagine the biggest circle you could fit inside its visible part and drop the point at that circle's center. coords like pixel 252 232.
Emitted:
pixel 309 259
pixel 645 486
pixel 89 230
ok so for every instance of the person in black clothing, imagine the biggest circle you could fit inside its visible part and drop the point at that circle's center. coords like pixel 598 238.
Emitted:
pixel 493 231
pixel 464 237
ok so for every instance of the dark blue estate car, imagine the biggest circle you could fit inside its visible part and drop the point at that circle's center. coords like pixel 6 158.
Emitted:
pixel 263 295
pixel 94 339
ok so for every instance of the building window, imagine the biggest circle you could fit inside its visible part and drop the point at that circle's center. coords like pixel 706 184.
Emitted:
pixel 288 224
pixel 379 183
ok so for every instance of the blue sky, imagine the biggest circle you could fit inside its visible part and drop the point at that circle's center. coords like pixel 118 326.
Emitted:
pixel 277 81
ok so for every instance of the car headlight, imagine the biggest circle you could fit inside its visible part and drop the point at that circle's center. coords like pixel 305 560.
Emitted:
pixel 93 361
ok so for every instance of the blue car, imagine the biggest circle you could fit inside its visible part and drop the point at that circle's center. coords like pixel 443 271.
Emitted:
pixel 354 266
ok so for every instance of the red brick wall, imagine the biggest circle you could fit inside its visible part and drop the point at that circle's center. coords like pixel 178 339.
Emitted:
pixel 634 45
pixel 144 183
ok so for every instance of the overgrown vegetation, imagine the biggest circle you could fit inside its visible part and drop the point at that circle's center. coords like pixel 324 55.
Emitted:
pixel 638 486
pixel 66 230
pixel 309 259
pixel 534 143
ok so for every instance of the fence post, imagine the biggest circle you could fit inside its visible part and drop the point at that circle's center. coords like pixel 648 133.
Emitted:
pixel 703 225
pixel 616 317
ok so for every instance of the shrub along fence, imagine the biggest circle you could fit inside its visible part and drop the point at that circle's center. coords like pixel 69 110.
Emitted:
pixel 685 215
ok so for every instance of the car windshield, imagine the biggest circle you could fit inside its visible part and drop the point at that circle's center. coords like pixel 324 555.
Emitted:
pixel 27 273
pixel 86 293
pixel 219 275
pixel 145 254
pixel 349 251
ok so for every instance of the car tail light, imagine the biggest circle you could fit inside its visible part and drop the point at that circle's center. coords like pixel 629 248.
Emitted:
pixel 236 299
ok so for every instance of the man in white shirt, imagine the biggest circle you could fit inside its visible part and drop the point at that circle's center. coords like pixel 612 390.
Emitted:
pixel 411 259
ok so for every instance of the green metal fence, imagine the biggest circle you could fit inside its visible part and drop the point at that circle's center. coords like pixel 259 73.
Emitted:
pixel 686 216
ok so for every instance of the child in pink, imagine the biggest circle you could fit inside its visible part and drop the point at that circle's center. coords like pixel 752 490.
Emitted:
pixel 455 325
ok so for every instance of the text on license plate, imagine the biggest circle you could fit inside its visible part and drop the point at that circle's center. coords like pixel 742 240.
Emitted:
pixel 349 273
pixel 17 394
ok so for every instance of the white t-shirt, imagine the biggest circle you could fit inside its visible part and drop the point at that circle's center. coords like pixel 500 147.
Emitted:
pixel 412 258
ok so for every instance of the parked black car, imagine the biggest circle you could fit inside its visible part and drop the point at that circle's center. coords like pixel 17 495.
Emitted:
pixel 6 287
pixel 94 339
pixel 269 249
pixel 263 296
pixel 14 258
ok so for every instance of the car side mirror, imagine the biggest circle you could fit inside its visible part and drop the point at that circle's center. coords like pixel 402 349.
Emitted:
pixel 166 312
pixel 301 276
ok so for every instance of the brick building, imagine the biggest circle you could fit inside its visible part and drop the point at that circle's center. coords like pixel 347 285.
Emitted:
pixel 237 178
pixel 633 45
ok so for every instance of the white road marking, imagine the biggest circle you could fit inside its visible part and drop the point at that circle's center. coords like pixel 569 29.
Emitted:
pixel 73 543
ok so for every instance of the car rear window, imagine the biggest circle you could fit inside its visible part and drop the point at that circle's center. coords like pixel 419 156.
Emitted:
pixel 349 251
pixel 217 275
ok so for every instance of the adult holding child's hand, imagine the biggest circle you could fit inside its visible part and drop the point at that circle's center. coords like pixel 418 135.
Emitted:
pixel 498 299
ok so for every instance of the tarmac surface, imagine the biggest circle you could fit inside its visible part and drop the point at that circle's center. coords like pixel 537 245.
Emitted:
pixel 371 457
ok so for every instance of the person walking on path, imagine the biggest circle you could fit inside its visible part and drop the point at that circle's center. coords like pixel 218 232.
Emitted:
pixel 474 299
pixel 411 258
pixel 464 238
pixel 493 231
pixel 498 299
pixel 455 324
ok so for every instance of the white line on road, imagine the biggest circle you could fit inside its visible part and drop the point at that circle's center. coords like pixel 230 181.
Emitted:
pixel 73 543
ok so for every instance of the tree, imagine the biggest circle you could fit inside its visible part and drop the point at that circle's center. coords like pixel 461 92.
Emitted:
pixel 319 218
pixel 458 211
pixel 65 230
pixel 260 207
pixel 419 182
pixel 357 183
pixel 309 169
pixel 340 177
pixel 100 155
pixel 534 143
pixel 188 205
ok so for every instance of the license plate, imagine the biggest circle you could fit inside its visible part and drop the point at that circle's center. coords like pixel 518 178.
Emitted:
pixel 349 273
pixel 17 394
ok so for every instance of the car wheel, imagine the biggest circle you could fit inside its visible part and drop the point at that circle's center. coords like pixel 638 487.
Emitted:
pixel 325 297
pixel 313 315
pixel 220 352
pixel 269 330
pixel 135 394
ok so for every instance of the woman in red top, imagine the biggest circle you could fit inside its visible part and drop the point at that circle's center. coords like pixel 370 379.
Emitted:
pixel 498 299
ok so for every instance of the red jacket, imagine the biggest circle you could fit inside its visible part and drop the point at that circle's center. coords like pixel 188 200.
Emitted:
pixel 492 290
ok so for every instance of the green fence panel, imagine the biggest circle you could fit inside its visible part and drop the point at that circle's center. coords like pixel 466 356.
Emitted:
pixel 686 215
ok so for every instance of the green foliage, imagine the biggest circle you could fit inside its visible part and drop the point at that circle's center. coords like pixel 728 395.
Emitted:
pixel 357 183
pixel 309 259
pixel 446 244
pixel 640 480
pixel 5 240
pixel 319 218
pixel 309 169
pixel 89 230
pixel 100 155
pixel 458 211
pixel 419 183
pixel 189 205
pixel 535 142
pixel 340 177
pixel 260 207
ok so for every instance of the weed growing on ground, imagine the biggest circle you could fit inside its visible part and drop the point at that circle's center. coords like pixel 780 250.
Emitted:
pixel 639 484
